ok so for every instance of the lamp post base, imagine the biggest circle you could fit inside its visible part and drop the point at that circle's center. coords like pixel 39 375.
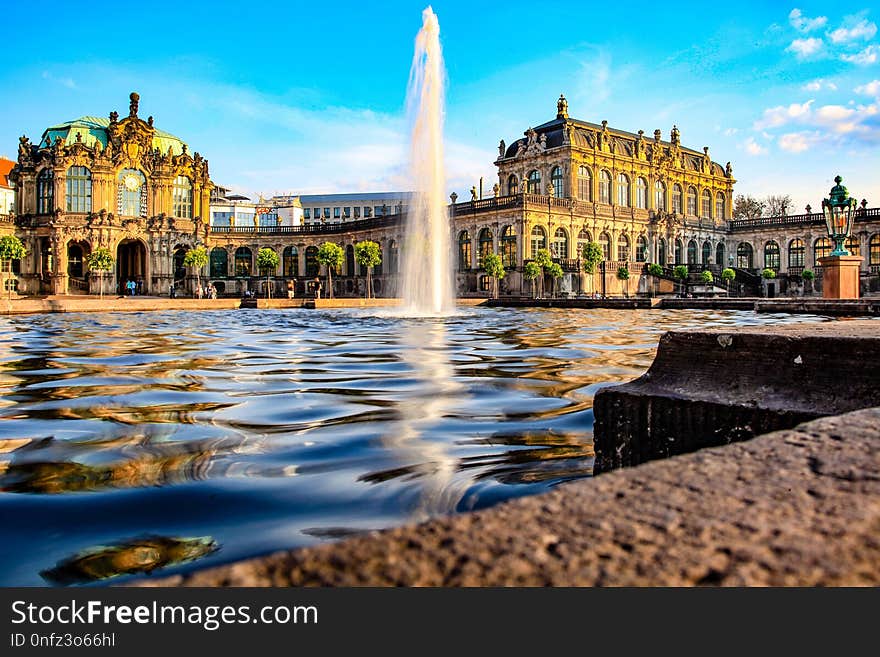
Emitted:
pixel 840 276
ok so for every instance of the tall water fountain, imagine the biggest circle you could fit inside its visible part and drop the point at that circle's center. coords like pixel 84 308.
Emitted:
pixel 427 258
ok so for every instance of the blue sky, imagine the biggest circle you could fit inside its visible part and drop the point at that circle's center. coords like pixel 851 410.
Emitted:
pixel 309 98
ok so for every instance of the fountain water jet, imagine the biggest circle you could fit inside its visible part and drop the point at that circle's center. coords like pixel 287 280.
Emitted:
pixel 427 258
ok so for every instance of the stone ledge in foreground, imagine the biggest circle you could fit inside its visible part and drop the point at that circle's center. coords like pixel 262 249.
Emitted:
pixel 799 507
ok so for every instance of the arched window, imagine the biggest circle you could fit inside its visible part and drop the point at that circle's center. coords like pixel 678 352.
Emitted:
pixel 678 252
pixel 795 253
pixel 559 248
pixel 182 197
pixel 131 194
pixel 75 260
pixel 535 182
pixel 585 184
pixel 641 193
pixel 604 187
pixel 623 190
pixel 290 262
pixel 219 263
pixel 641 249
pixel 692 252
pixel 707 253
pixel 539 240
pixel 179 267
pixel 771 255
pixel 583 239
pixel 464 250
pixel 692 201
pixel 622 247
pixel 556 180
pixel 605 245
pixel 660 195
pixel 661 252
pixel 46 192
pixel 313 267
pixel 719 206
pixel 377 269
pixel 79 189
pixel 706 204
pixel 349 260
pixel 744 255
pixel 243 261
pixel 393 257
pixel 512 185
pixel 821 248
pixel 853 246
pixel 486 247
pixel 676 199
pixel 874 250
pixel 719 254
pixel 508 247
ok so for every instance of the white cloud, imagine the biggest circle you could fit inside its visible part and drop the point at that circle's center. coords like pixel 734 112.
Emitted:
pixel 777 116
pixel 804 48
pixel 64 82
pixel 818 85
pixel 867 56
pixel 754 148
pixel 864 30
pixel 797 142
pixel 803 24
pixel 869 89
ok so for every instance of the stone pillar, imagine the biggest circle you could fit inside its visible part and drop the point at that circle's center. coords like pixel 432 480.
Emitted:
pixel 840 276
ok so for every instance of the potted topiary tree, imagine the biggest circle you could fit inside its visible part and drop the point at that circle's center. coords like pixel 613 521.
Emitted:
pixel 681 273
pixel 544 261
pixel 809 276
pixel 196 258
pixel 11 249
pixel 555 271
pixel 728 276
pixel 332 256
pixel 591 256
pixel 367 254
pixel 493 266
pixel 100 260
pixel 655 271
pixel 267 262
pixel 623 277
pixel 531 272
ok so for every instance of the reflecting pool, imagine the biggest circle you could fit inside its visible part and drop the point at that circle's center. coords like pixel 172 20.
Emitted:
pixel 165 441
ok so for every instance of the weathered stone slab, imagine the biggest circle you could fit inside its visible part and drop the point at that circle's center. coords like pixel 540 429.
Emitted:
pixel 712 387
pixel 793 508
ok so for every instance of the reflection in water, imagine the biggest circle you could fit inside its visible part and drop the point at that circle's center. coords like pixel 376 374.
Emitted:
pixel 274 429
pixel 139 555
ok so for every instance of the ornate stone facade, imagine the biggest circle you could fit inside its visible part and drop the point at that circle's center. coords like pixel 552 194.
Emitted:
pixel 119 184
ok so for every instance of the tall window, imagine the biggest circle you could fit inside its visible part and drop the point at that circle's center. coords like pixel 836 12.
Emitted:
pixel 744 255
pixel 692 201
pixel 539 240
pixel 464 250
pixel 559 248
pixel 692 252
pixel 660 195
pixel 313 267
pixel 556 180
pixel 512 185
pixel 605 245
pixel 349 260
pixel 132 194
pixel 641 249
pixel 45 192
pixel 584 238
pixel 604 187
pixel 623 247
pixel 719 206
pixel 821 248
pixel 585 184
pixel 535 182
pixel 853 245
pixel 707 204
pixel 661 251
pixel 508 247
pixel 290 261
pixel 771 255
pixel 641 193
pixel 678 252
pixel 623 190
pixel 676 199
pixel 243 261
pixel 219 263
pixel 393 257
pixel 486 246
pixel 796 253
pixel 706 253
pixel 182 196
pixel 874 250
pixel 719 254
pixel 79 189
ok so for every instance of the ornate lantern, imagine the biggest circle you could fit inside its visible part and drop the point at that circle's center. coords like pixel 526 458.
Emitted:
pixel 839 210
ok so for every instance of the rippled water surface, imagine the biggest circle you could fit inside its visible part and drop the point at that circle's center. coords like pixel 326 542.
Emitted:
pixel 134 442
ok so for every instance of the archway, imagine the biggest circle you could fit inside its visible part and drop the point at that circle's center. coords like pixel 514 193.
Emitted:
pixel 179 267
pixel 131 264
pixel 77 269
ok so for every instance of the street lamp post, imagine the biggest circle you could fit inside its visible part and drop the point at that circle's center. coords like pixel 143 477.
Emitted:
pixel 840 269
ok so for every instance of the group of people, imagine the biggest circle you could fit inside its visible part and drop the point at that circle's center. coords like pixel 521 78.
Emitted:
pixel 206 291
pixel 132 287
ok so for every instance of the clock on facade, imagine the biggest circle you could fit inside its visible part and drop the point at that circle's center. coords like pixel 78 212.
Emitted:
pixel 131 182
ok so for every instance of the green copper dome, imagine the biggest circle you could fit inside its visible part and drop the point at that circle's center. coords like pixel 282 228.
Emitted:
pixel 94 128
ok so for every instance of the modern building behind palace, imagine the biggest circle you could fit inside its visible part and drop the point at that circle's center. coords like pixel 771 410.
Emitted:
pixel 124 184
